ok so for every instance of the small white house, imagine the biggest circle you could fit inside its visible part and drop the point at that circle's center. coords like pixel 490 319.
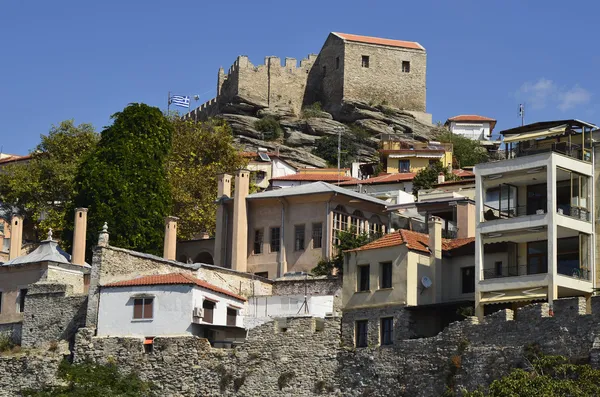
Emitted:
pixel 472 126
pixel 170 304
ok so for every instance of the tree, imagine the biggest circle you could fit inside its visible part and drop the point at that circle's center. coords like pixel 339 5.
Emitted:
pixel 467 152
pixel 93 380
pixel 123 182
pixel 347 240
pixel 546 376
pixel 42 188
pixel 427 177
pixel 327 149
pixel 200 151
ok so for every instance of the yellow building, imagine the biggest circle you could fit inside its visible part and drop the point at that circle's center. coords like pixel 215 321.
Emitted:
pixel 402 156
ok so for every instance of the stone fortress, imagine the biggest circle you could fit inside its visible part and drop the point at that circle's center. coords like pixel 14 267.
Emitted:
pixel 377 85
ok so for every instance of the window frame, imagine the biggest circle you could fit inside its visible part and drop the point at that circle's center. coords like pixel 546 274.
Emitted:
pixel 462 279
pixel 144 304
pixel 365 61
pixel 208 302
pixel 362 284
pixel 317 226
pixel 382 273
pixel 405 66
pixel 401 168
pixel 21 300
pixel 259 237
pixel 361 333
pixel 277 240
pixel 386 334
pixel 297 228
pixel 229 316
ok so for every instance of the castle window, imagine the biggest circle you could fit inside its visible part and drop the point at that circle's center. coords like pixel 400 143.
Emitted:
pixel 337 62
pixel 324 70
pixel 365 61
pixel 361 333
pixel 406 66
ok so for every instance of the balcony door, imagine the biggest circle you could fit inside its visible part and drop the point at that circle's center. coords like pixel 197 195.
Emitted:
pixel 537 198
pixel 537 257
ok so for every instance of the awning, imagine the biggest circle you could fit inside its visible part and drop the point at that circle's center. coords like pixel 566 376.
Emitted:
pixel 536 293
pixel 559 130
pixel 418 155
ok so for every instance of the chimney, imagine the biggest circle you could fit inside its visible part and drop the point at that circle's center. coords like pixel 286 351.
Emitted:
pixel 465 220
pixel 170 248
pixel 441 178
pixel 79 234
pixel 16 237
pixel 223 189
pixel 435 249
pixel 240 221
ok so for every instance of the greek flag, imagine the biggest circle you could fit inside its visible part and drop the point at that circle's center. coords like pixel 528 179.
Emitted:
pixel 180 100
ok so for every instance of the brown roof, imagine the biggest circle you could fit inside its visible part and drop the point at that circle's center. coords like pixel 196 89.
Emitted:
pixel 473 117
pixel 389 151
pixel 382 179
pixel 15 158
pixel 314 177
pixel 413 240
pixel 380 41
pixel 255 154
pixel 172 279
pixel 463 173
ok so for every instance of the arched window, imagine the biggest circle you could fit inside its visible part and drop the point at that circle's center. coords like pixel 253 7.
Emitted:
pixel 358 222
pixel 204 257
pixel 340 222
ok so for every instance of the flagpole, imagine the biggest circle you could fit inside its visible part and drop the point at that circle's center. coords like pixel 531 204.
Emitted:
pixel 169 103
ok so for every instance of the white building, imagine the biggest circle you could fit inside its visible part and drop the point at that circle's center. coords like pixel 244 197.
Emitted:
pixel 265 308
pixel 170 304
pixel 393 188
pixel 265 165
pixel 472 126
pixel 543 211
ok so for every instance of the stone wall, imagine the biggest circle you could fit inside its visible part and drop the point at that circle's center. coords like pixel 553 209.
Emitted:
pixel 384 82
pixel 52 313
pixel 373 316
pixel 320 285
pixel 27 371
pixel 241 283
pixel 12 330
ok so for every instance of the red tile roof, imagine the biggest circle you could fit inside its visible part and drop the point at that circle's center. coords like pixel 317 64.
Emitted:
pixel 470 117
pixel 382 179
pixel 379 41
pixel 171 279
pixel 316 177
pixel 413 240
pixel 15 158
pixel 389 151
pixel 463 173
pixel 252 155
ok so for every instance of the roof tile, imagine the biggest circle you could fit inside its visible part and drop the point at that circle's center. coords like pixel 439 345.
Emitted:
pixel 172 279
pixel 413 240
pixel 380 41
pixel 381 179
pixel 314 177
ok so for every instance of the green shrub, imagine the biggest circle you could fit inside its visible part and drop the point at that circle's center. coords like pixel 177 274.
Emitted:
pixel 270 127
pixel 6 343
pixel 311 111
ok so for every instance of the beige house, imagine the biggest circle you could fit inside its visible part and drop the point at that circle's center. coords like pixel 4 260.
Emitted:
pixel 539 202
pixel 46 263
pixel 405 269
pixel 401 156
pixel 288 230
pixel 264 166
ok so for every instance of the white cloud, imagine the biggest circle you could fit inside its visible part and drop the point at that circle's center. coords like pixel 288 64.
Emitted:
pixel 574 97
pixel 545 92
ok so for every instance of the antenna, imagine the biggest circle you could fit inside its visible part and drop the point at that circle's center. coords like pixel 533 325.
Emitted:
pixel 522 113
pixel 305 303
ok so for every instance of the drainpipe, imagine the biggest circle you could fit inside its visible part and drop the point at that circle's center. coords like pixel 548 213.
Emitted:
pixel 328 230
pixel 282 265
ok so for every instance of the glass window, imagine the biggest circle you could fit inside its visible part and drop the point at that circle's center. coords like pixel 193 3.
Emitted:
pixel 208 308
pixel 365 61
pixel 537 257
pixel 385 277
pixel 363 278
pixel 403 165
pixel 299 237
pixel 317 235
pixel 143 308
pixel 406 66
pixel 387 331
pixel 468 279
pixel 361 333
pixel 258 241
pixel 275 236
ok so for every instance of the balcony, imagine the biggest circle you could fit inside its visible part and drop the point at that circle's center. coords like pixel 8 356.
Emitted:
pixel 572 150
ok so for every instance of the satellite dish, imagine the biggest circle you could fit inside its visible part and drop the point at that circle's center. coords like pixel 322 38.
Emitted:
pixel 426 281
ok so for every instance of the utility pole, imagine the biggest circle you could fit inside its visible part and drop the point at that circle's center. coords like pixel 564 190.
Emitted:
pixel 522 113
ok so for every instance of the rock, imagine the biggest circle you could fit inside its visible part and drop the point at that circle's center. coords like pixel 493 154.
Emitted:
pixel 319 114
pixel 238 108
pixel 277 112
pixel 255 102
pixel 242 125
pixel 374 126
pixel 322 127
pixel 297 138
pixel 294 124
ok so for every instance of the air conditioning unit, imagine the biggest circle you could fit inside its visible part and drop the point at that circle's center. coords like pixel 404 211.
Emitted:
pixel 198 312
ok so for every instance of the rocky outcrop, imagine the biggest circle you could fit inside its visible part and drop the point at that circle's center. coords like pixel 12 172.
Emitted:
pixel 302 133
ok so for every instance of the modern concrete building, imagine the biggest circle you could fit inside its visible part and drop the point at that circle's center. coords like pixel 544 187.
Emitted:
pixel 273 232
pixel 539 202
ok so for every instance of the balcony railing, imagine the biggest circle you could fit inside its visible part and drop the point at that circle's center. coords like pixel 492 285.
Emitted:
pixel 491 213
pixel 583 214
pixel 565 148
pixel 575 272
pixel 511 271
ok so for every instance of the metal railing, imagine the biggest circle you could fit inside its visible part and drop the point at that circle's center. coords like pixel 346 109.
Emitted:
pixel 511 271
pixel 565 148
pixel 575 212
pixel 491 213
pixel 575 272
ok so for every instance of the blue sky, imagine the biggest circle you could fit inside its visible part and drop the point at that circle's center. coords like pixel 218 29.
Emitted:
pixel 86 60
